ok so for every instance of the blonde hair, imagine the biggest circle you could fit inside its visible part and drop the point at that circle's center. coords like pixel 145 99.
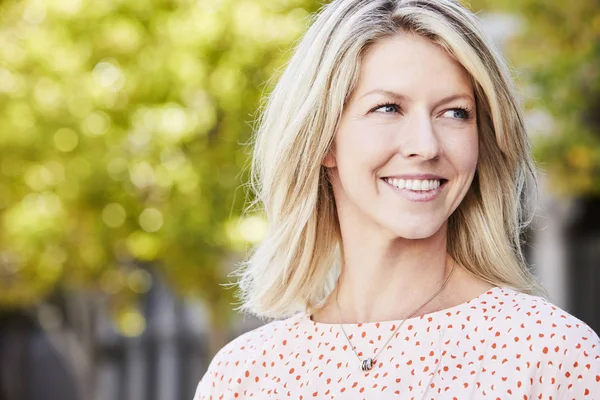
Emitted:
pixel 295 266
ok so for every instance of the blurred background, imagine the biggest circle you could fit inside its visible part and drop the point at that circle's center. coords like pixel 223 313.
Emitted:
pixel 123 171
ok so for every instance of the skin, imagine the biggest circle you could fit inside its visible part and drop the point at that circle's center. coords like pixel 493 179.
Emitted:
pixel 395 254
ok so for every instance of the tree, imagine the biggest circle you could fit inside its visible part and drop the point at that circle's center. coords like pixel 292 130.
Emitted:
pixel 122 124
pixel 557 56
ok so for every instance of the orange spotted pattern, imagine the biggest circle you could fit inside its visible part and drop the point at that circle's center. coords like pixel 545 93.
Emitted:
pixel 502 344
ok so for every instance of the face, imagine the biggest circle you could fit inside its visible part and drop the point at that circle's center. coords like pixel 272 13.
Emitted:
pixel 406 150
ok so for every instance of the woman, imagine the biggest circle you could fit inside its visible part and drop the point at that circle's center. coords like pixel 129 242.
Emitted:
pixel 391 161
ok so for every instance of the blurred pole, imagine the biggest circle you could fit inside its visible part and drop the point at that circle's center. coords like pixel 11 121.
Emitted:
pixel 135 370
pixel 163 330
pixel 549 247
pixel 583 238
pixel 14 329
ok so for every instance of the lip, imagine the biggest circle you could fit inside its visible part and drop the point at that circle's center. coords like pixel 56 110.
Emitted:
pixel 416 176
pixel 418 197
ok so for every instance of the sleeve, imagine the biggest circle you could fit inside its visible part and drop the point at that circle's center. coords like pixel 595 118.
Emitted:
pixel 213 386
pixel 579 378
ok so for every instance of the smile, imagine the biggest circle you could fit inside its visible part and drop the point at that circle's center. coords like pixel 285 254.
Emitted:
pixel 416 189
pixel 416 185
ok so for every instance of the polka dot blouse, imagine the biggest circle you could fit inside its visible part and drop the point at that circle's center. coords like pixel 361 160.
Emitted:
pixel 502 344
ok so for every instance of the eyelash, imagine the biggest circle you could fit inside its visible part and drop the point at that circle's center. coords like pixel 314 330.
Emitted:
pixel 467 111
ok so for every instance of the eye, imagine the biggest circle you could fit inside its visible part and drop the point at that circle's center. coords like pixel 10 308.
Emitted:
pixel 458 113
pixel 386 108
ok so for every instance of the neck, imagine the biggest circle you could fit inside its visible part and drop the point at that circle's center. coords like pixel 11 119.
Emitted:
pixel 388 282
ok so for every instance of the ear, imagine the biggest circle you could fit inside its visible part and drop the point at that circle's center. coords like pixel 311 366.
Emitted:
pixel 329 161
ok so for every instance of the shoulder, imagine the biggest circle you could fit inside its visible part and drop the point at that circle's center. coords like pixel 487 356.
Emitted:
pixel 545 340
pixel 238 357
pixel 269 336
pixel 536 318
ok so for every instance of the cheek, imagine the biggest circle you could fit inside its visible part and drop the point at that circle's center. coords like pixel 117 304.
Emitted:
pixel 464 153
pixel 364 145
pixel 473 152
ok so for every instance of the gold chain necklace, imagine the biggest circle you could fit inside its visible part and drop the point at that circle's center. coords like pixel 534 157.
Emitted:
pixel 368 363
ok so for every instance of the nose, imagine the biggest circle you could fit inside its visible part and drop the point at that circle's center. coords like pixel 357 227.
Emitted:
pixel 419 139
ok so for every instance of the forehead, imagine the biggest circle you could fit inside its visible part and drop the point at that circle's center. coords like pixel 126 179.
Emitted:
pixel 409 63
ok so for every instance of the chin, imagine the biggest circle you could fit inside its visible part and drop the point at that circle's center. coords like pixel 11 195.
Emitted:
pixel 415 231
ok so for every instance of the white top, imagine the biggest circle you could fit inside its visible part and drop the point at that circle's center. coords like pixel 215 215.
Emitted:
pixel 501 344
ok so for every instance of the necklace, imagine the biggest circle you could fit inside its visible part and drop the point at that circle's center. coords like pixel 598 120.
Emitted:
pixel 368 363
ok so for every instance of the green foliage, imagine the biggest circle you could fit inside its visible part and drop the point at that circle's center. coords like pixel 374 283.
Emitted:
pixel 557 55
pixel 121 132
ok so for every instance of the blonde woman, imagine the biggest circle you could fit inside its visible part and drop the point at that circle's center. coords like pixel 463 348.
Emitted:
pixel 392 162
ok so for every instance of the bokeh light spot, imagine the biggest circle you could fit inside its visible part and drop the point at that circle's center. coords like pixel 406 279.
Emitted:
pixel 108 75
pixel 151 220
pixel 131 322
pixel 143 245
pixel 253 229
pixel 140 281
pixel 97 123
pixel 142 175
pixel 114 215
pixel 66 140
pixel 117 168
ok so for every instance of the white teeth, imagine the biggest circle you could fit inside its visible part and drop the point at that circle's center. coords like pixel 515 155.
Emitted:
pixel 414 184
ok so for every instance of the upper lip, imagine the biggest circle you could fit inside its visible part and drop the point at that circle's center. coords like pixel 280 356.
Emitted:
pixel 415 176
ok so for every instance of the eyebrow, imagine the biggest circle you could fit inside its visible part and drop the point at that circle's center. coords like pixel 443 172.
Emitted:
pixel 399 96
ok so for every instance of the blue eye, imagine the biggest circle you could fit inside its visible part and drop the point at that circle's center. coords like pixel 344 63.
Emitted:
pixel 387 108
pixel 459 113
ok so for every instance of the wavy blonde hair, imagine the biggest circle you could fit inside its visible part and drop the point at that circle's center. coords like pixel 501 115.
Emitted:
pixel 294 268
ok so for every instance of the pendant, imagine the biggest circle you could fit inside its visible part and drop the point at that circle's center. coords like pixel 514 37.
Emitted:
pixel 367 364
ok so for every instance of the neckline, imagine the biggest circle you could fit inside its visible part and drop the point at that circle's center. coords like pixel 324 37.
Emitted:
pixel 458 307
